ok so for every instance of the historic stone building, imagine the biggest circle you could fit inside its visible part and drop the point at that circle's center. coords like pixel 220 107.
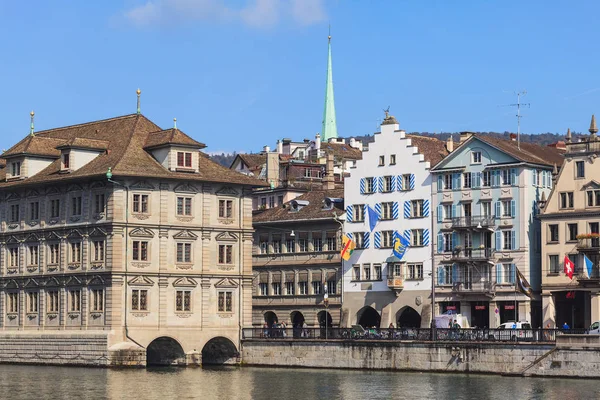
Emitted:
pixel 122 234
pixel 393 179
pixel 571 227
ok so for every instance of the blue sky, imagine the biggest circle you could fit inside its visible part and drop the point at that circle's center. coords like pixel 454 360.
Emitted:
pixel 241 74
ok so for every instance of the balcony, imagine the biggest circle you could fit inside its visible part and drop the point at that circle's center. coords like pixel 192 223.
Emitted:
pixel 589 244
pixel 582 148
pixel 475 286
pixel 480 254
pixel 473 222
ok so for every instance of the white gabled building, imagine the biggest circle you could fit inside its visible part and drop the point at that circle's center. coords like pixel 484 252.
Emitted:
pixel 393 179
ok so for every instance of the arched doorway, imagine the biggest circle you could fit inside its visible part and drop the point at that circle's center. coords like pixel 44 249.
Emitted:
pixel 368 317
pixel 325 322
pixel 270 318
pixel 218 351
pixel 165 351
pixel 408 318
pixel 297 319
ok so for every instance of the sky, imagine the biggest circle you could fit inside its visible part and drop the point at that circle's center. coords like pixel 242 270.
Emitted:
pixel 240 74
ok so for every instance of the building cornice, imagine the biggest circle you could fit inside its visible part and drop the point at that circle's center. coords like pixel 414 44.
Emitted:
pixel 569 214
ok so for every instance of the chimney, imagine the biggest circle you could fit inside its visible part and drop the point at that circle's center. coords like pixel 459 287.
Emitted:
pixel 279 146
pixel 318 143
pixel 266 149
pixel 513 137
pixel 568 137
pixel 450 144
pixel 328 179
pixel 286 146
pixel 352 143
pixel 464 136
pixel 273 169
pixel 560 145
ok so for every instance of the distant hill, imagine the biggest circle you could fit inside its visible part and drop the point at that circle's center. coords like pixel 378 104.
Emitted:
pixel 225 159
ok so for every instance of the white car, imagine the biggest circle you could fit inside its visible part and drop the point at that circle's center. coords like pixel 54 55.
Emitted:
pixel 594 329
pixel 513 331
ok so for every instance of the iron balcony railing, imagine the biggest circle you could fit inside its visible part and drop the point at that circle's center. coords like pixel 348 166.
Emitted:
pixel 481 286
pixel 592 244
pixel 407 334
pixel 468 254
pixel 474 221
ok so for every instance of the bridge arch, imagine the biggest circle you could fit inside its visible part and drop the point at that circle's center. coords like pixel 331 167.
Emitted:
pixel 368 317
pixel 164 351
pixel 219 350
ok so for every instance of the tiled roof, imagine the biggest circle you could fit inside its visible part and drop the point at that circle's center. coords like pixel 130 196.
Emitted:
pixel 253 161
pixel 78 142
pixel 35 145
pixel 171 136
pixel 529 152
pixel 313 210
pixel 341 150
pixel 433 149
pixel 126 137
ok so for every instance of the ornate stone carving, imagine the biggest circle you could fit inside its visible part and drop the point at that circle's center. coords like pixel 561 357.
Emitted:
pixel 140 216
pixel 225 267
pixel 140 314
pixel 33 223
pixel 74 188
pixel 184 266
pixel 98 216
pixel 185 219
pixel 184 315
pixel 97 232
pixel 185 188
pixel 227 237
pixel 227 191
pixel 13 226
pixel 73 266
pixel 226 283
pixel 140 264
pixel 141 280
pixel 226 221
pixel 142 185
pixel 142 232
pixel 52 221
pixel 185 234
pixel 185 282
pixel 222 315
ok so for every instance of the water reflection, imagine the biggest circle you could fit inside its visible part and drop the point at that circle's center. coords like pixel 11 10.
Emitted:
pixel 27 382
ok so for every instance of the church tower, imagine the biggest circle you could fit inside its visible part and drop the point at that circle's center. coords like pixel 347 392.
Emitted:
pixel 329 129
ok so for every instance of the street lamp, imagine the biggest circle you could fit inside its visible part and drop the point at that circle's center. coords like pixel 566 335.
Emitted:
pixel 326 303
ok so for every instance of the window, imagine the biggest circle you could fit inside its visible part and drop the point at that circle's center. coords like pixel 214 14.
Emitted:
pixel 554 265
pixel 359 213
pixel 447 211
pixel 140 250
pixel 415 271
pixel 331 287
pixel 66 160
pixel 263 203
pixel 392 159
pixel 553 233
pixel 369 185
pixel 276 286
pixel 317 243
pixel 572 229
pixel 99 203
pixel 184 206
pixel 476 157
pixel 16 168
pixel 448 181
pixel 366 272
pixel 593 198
pixel 54 253
pixel 98 250
pixel 381 161
pixel 416 208
pixel 184 252
pixel 331 243
pixel 14 213
pixel 74 300
pixel 184 159
pixel 303 245
pixel 486 179
pixel 97 300
pixel 271 201
pixel 386 238
pixel 279 200
pixel 290 288
pixel 303 288
pixel 446 278
pixel 356 272
pixel 264 247
pixel 317 287
pixel 33 255
pixel 140 203
pixel 505 175
pixel 416 237
pixel 32 302
pixel 290 245
pixel 13 257
pixel 388 183
pixel 406 182
pixel 359 238
pixel 486 208
pixel 75 252
pixel 139 300
pixel 506 208
pixel 579 169
pixel 263 289
pixel 54 208
pixel 226 253
pixel 34 211
pixel 226 208
pixel 52 301
pixel 13 303
pixel 386 210
pixel 506 274
pixel 395 270
pixel 566 200
pixel 448 242
pixel 467 180
pixel 76 202
pixel 225 302
pixel 377 272
pixel 183 301
pixel 508 238
pixel 276 243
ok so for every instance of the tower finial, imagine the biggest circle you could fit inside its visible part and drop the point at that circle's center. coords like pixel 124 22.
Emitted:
pixel 593 127
pixel 329 121
pixel 329 36
pixel 568 137
pixel 138 100
pixel 32 114
pixel 174 123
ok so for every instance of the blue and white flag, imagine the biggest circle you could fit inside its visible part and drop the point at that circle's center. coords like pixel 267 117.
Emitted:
pixel 400 243
pixel 373 218
pixel 589 265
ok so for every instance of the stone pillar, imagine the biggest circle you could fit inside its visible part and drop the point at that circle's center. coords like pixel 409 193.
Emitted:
pixel 595 306
pixel 270 284
pixel 524 311
pixel 270 244
pixel 493 315
pixel 549 310
pixel 205 287
pixel 163 301
pixel 311 246
pixel 465 310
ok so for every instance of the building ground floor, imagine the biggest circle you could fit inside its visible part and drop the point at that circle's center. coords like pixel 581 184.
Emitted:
pixel 406 308
pixel 296 315
pixel 577 306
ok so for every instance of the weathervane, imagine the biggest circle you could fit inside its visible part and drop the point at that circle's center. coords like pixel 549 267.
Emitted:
pixel 387 111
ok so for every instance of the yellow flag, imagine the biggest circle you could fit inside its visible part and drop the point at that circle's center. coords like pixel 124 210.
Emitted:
pixel 348 247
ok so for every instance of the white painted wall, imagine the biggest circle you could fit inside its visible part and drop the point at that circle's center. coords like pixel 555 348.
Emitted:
pixel 34 165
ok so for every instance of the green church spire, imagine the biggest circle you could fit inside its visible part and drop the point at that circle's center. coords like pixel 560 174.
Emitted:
pixel 329 123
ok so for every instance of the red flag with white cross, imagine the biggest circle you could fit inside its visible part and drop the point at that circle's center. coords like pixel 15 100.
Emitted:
pixel 569 267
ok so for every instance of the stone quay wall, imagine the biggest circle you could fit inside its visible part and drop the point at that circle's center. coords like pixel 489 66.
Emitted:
pixel 521 359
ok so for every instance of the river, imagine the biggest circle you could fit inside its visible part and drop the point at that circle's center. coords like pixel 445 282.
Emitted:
pixel 41 382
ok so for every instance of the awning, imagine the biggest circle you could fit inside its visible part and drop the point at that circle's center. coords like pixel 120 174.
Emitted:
pixel 303 277
pixel 276 276
pixel 392 260
pixel 263 278
pixel 289 276
pixel 317 276
pixel 331 276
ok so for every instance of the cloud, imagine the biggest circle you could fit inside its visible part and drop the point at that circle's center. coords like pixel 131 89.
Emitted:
pixel 256 13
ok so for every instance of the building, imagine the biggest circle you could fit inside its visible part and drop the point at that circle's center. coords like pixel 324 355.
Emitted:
pixel 393 179
pixel 485 201
pixel 122 233
pixel 571 227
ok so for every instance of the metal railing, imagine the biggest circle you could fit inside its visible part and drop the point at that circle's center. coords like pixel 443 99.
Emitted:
pixel 481 286
pixel 588 244
pixel 474 221
pixel 410 334
pixel 478 254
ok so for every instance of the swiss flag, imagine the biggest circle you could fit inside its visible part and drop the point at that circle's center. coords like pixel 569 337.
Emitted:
pixel 569 267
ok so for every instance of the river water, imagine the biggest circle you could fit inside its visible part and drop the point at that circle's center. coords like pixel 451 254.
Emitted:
pixel 39 382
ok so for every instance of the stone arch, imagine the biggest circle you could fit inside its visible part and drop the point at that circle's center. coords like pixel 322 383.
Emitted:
pixel 165 351
pixel 408 317
pixel 324 318
pixel 368 316
pixel 297 319
pixel 270 318
pixel 219 350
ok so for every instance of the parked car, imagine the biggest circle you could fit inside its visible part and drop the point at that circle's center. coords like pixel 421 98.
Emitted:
pixel 513 331
pixel 594 329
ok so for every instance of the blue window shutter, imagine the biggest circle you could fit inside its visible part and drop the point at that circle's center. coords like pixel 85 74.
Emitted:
pixel 377 239
pixel 512 273
pixel 349 213
pixel 455 181
pixel 513 245
pixel 411 181
pixel 363 185
pixel 440 276
pixel 399 183
pixel 395 213
pixel 378 209
pixel 513 176
pixel 534 174
pixel 454 239
pixel 513 208
pixel 458 213
pixel 425 237
pixel 440 183
pixel 498 273
pixel 454 273
pixel 393 184
pixel 407 213
pixel 498 240
pixel 426 208
pixel 477 179
pixel 440 243
pixel 498 209
pixel 366 240
pixel 440 212
pixel 453 210
pixel 545 177
pixel 496 178
pixel 549 180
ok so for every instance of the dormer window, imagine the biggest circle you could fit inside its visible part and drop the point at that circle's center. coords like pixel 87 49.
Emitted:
pixel 15 168
pixel 184 159
pixel 66 160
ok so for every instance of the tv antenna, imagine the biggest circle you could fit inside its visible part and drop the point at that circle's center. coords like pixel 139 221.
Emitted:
pixel 518 104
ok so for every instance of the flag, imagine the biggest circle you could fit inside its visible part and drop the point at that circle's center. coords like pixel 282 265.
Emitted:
pixel 589 265
pixel 373 218
pixel 348 246
pixel 522 285
pixel 569 267
pixel 400 243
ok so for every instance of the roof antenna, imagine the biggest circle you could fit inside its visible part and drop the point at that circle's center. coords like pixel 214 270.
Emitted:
pixel 32 114
pixel 518 104
pixel 138 100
